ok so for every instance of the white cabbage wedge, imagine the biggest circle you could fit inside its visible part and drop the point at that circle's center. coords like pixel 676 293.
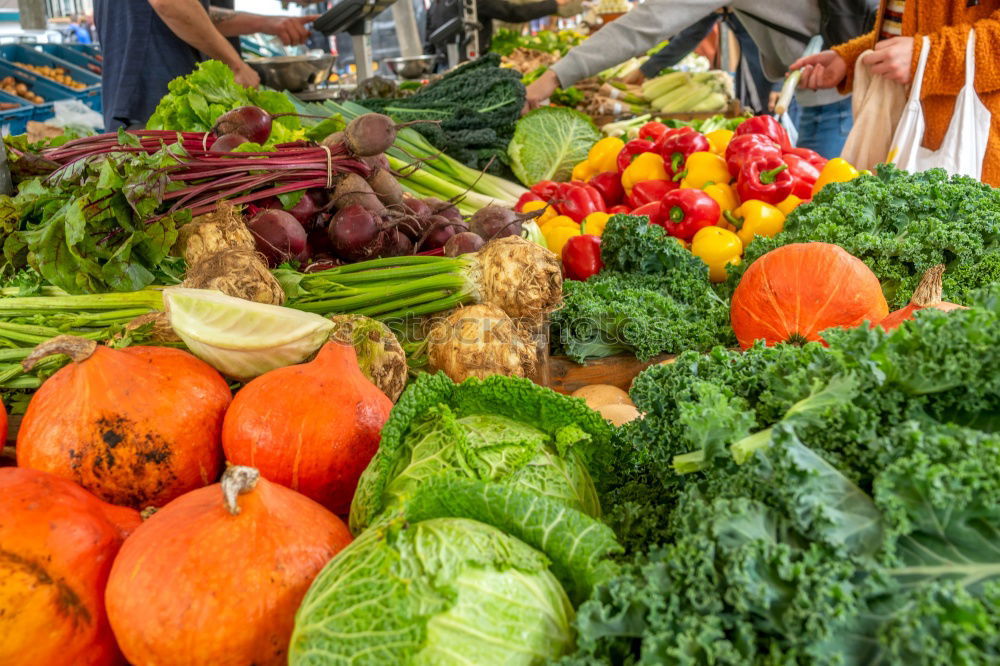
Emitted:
pixel 240 338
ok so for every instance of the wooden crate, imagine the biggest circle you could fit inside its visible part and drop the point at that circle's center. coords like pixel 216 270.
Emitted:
pixel 565 376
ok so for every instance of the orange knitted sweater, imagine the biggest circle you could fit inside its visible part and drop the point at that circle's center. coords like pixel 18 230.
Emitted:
pixel 947 24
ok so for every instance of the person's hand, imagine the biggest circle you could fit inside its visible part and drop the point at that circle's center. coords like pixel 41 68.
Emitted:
pixel 826 69
pixel 291 30
pixel 891 59
pixel 540 90
pixel 772 100
pixel 635 78
pixel 244 75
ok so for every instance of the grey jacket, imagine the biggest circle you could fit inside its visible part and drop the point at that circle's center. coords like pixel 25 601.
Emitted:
pixel 655 20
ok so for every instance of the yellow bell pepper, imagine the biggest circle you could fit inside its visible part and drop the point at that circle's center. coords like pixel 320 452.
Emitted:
pixel 719 139
pixel 532 206
pixel 557 236
pixel 789 204
pixel 584 171
pixel 645 166
pixel 837 170
pixel 703 168
pixel 756 218
pixel 718 248
pixel 725 196
pixel 594 223
pixel 603 155
pixel 557 221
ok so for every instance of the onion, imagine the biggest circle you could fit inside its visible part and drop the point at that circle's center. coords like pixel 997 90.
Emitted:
pixel 599 395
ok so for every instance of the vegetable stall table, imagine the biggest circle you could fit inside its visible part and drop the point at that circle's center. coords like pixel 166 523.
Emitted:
pixel 564 375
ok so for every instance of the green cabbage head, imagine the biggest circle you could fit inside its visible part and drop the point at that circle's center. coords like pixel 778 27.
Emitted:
pixel 435 592
pixel 501 430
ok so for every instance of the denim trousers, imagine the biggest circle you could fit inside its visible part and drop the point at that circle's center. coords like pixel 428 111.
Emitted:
pixel 825 128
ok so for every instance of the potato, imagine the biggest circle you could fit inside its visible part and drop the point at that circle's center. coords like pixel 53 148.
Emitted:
pixel 598 395
pixel 619 414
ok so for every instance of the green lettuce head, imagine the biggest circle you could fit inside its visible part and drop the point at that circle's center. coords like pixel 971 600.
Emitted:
pixel 500 430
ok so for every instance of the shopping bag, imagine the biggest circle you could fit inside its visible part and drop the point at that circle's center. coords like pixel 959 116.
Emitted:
pixel 877 104
pixel 964 144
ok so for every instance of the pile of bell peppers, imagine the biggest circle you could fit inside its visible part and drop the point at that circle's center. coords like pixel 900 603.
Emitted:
pixel 714 192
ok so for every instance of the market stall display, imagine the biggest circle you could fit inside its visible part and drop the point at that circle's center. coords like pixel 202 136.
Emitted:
pixel 287 360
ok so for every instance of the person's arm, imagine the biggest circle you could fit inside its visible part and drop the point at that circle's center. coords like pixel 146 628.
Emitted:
pixel 502 10
pixel 188 20
pixel 631 35
pixel 945 72
pixel 680 45
pixel 850 52
pixel 290 30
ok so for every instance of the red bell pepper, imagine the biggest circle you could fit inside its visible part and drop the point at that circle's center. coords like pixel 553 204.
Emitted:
pixel 630 150
pixel 764 178
pixel 609 184
pixel 652 130
pixel 652 210
pixel 804 175
pixel 687 211
pixel 620 209
pixel 810 156
pixel 525 198
pixel 578 200
pixel 648 191
pixel 676 145
pixel 766 125
pixel 546 189
pixel 741 148
pixel 581 257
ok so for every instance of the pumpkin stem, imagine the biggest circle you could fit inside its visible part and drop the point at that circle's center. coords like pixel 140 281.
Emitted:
pixel 797 339
pixel 78 349
pixel 148 512
pixel 237 480
pixel 928 292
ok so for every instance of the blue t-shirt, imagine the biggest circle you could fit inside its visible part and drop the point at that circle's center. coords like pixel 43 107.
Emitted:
pixel 81 34
pixel 140 57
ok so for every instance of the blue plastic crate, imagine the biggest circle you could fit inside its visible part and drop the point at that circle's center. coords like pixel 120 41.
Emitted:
pixel 15 121
pixel 72 56
pixel 43 112
pixel 39 85
pixel 91 94
pixel 91 50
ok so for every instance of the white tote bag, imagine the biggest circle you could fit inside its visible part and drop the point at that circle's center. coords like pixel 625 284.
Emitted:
pixel 964 144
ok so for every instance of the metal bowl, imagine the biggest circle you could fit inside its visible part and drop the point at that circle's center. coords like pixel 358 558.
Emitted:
pixel 415 67
pixel 293 73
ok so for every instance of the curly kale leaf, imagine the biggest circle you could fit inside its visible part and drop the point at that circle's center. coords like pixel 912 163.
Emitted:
pixel 861 532
pixel 900 224
pixel 630 244
pixel 643 315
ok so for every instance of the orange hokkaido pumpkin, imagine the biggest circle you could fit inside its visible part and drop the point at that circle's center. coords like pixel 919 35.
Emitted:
pixel 794 292
pixel 57 543
pixel 313 427
pixel 137 426
pixel 215 577
pixel 926 295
